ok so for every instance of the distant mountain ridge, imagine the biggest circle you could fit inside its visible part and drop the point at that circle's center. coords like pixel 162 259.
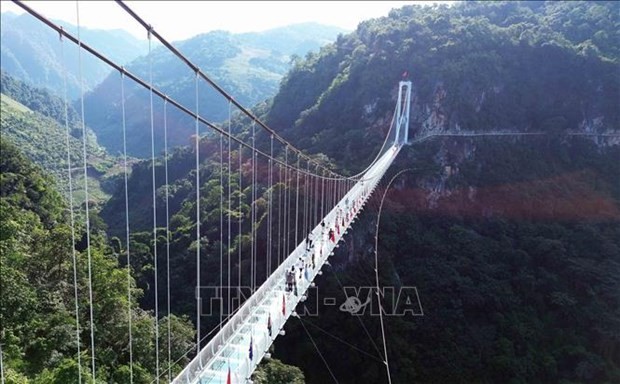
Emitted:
pixel 249 66
pixel 31 51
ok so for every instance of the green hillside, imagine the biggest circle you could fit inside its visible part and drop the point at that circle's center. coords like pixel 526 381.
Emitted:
pixel 248 66
pixel 36 125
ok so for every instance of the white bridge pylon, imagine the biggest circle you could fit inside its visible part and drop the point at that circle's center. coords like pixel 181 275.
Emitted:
pixel 228 352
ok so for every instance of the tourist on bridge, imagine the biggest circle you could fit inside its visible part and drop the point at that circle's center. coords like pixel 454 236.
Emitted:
pixel 301 270
pixel 300 265
pixel 290 279
pixel 331 235
pixel 293 279
pixel 309 243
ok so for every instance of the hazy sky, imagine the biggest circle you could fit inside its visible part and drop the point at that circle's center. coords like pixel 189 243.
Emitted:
pixel 178 20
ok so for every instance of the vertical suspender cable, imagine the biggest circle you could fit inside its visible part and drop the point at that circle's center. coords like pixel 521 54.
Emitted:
pixel 329 195
pixel 289 208
pixel 229 311
pixel 198 269
pixel 316 194
pixel 253 207
pixel 279 209
pixel 154 211
pixel 270 217
pixel 90 267
pixel 221 290
pixel 323 193
pixel 268 239
pixel 239 237
pixel 72 218
pixel 336 190
pixel 126 177
pixel 333 191
pixel 252 182
pixel 167 238
pixel 287 198
pixel 297 205
pixel 309 190
pixel 304 216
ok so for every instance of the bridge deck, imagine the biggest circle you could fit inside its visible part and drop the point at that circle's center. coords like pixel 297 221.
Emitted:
pixel 229 350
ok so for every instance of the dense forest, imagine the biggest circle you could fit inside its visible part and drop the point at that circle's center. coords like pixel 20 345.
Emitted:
pixel 512 242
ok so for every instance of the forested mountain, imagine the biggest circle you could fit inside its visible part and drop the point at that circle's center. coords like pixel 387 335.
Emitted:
pixel 512 242
pixel 508 66
pixel 32 52
pixel 34 120
pixel 37 310
pixel 248 66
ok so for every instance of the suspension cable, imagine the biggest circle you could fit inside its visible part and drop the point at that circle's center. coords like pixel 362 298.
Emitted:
pixel 229 213
pixel 126 177
pixel 341 340
pixel 160 94
pixel 154 210
pixel 317 350
pixel 193 347
pixel 387 364
pixel 253 214
pixel 297 206
pixel 239 236
pixel 270 217
pixel 86 200
pixel 358 317
pixel 323 195
pixel 71 215
pixel 286 215
pixel 304 217
pixel 316 194
pixel 167 238
pixel 198 242
pixel 221 290
pixel 221 91
pixel 279 212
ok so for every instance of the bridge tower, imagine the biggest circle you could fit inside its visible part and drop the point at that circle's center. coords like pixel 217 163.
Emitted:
pixel 402 112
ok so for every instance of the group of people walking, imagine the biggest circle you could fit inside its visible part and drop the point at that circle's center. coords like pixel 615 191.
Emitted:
pixel 306 262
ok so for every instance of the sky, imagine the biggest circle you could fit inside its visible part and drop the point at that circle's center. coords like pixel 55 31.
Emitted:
pixel 180 20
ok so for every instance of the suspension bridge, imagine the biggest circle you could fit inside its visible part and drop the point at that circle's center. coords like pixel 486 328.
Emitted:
pixel 302 199
pixel 305 200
